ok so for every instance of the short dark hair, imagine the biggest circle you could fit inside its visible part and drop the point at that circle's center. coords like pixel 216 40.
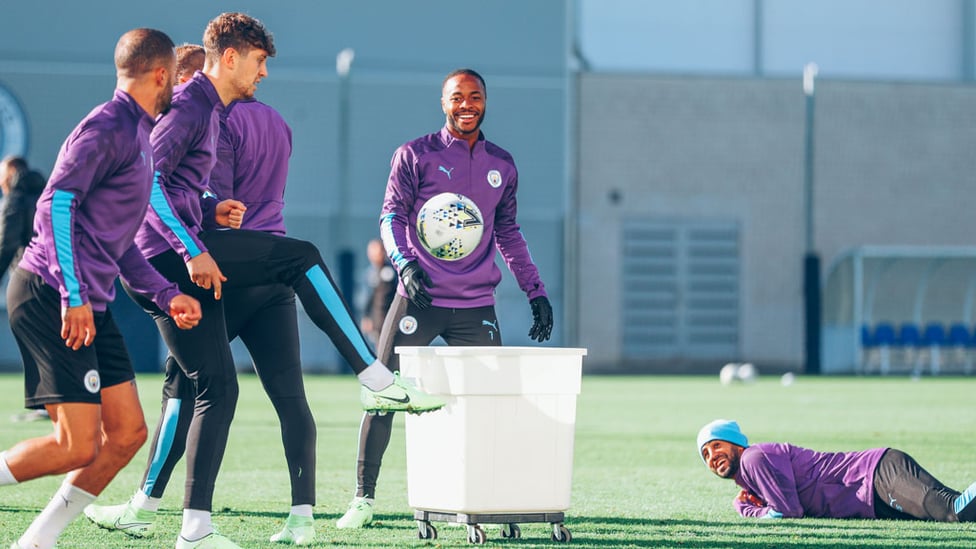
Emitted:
pixel 141 50
pixel 236 30
pixel 15 162
pixel 189 58
pixel 465 72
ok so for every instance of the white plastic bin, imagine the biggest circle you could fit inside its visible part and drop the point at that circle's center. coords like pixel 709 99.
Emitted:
pixel 504 441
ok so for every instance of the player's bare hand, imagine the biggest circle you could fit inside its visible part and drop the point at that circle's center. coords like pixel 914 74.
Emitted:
pixel 185 311
pixel 230 213
pixel 205 273
pixel 745 496
pixel 78 326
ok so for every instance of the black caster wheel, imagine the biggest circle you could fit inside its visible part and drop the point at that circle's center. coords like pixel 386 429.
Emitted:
pixel 511 531
pixel 476 534
pixel 560 533
pixel 426 530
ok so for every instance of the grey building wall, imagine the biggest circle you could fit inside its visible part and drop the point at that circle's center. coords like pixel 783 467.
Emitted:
pixel 893 165
pixel 61 66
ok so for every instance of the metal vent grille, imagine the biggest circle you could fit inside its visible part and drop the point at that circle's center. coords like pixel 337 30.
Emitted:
pixel 680 289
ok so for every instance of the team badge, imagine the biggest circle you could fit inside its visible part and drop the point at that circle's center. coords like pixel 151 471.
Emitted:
pixel 408 325
pixel 92 381
pixel 495 179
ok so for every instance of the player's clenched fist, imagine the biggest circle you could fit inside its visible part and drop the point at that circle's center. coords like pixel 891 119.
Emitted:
pixel 185 311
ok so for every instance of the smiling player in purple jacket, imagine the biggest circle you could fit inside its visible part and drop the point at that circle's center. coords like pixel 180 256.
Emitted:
pixel 780 480
pixel 453 300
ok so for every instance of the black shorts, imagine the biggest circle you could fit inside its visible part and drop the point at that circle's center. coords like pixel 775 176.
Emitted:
pixel 53 372
pixel 407 325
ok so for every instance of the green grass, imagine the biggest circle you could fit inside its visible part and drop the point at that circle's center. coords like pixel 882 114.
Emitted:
pixel 637 479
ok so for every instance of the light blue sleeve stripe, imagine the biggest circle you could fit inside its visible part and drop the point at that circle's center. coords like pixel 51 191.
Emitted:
pixel 389 242
pixel 330 297
pixel 964 498
pixel 158 202
pixel 61 225
pixel 171 418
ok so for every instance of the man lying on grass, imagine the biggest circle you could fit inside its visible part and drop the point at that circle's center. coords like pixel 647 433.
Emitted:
pixel 780 480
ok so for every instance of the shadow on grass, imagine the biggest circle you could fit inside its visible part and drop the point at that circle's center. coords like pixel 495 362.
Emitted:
pixel 597 531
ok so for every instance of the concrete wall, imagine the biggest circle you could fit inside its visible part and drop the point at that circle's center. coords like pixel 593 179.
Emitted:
pixel 893 165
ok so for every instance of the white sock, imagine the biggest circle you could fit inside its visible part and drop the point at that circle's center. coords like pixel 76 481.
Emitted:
pixel 304 510
pixel 142 501
pixel 6 477
pixel 376 376
pixel 196 524
pixel 68 502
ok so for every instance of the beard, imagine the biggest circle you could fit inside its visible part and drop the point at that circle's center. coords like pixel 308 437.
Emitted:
pixel 452 121
pixel 164 101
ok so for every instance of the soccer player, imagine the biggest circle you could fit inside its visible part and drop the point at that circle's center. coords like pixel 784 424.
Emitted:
pixel 780 480
pixel 75 362
pixel 450 299
pixel 190 58
pixel 252 167
pixel 22 187
pixel 201 261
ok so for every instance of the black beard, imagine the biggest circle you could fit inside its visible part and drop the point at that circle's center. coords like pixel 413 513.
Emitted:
pixel 454 125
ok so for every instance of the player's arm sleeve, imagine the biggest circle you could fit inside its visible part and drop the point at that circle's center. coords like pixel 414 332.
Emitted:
pixel 223 181
pixel 171 139
pixel 82 162
pixel 401 192
pixel 140 275
pixel 512 246
pixel 771 478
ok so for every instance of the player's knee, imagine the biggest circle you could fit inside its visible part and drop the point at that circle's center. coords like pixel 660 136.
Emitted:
pixel 133 439
pixel 76 456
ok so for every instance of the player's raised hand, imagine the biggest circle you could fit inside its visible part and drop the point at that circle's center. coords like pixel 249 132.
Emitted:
pixel 230 213
pixel 185 311
pixel 542 318
pixel 78 326
pixel 205 273
pixel 416 281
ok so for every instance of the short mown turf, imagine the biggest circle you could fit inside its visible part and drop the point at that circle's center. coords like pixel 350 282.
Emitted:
pixel 637 479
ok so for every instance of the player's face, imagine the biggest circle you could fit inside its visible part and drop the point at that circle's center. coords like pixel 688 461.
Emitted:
pixel 250 69
pixel 722 457
pixel 463 102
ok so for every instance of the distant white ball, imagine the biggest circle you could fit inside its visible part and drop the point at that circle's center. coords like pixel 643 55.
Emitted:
pixel 727 374
pixel 450 226
pixel 787 379
pixel 747 372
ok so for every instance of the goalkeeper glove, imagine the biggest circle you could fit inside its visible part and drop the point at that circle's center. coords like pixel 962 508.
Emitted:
pixel 416 281
pixel 542 316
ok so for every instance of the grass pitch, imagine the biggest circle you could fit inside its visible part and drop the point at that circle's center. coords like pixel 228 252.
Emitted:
pixel 638 481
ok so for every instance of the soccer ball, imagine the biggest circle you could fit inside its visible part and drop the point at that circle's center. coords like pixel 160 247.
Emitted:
pixel 450 226
pixel 727 374
pixel 747 373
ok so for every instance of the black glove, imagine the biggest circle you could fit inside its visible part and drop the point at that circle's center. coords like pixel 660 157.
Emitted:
pixel 542 313
pixel 415 282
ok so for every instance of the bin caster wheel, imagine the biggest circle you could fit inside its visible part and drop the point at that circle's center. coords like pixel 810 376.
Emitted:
pixel 476 534
pixel 511 530
pixel 560 533
pixel 426 530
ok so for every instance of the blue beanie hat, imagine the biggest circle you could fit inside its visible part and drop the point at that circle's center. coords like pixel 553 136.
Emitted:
pixel 721 429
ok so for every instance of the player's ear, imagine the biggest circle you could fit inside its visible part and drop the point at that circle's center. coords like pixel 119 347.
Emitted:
pixel 229 58
pixel 161 75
